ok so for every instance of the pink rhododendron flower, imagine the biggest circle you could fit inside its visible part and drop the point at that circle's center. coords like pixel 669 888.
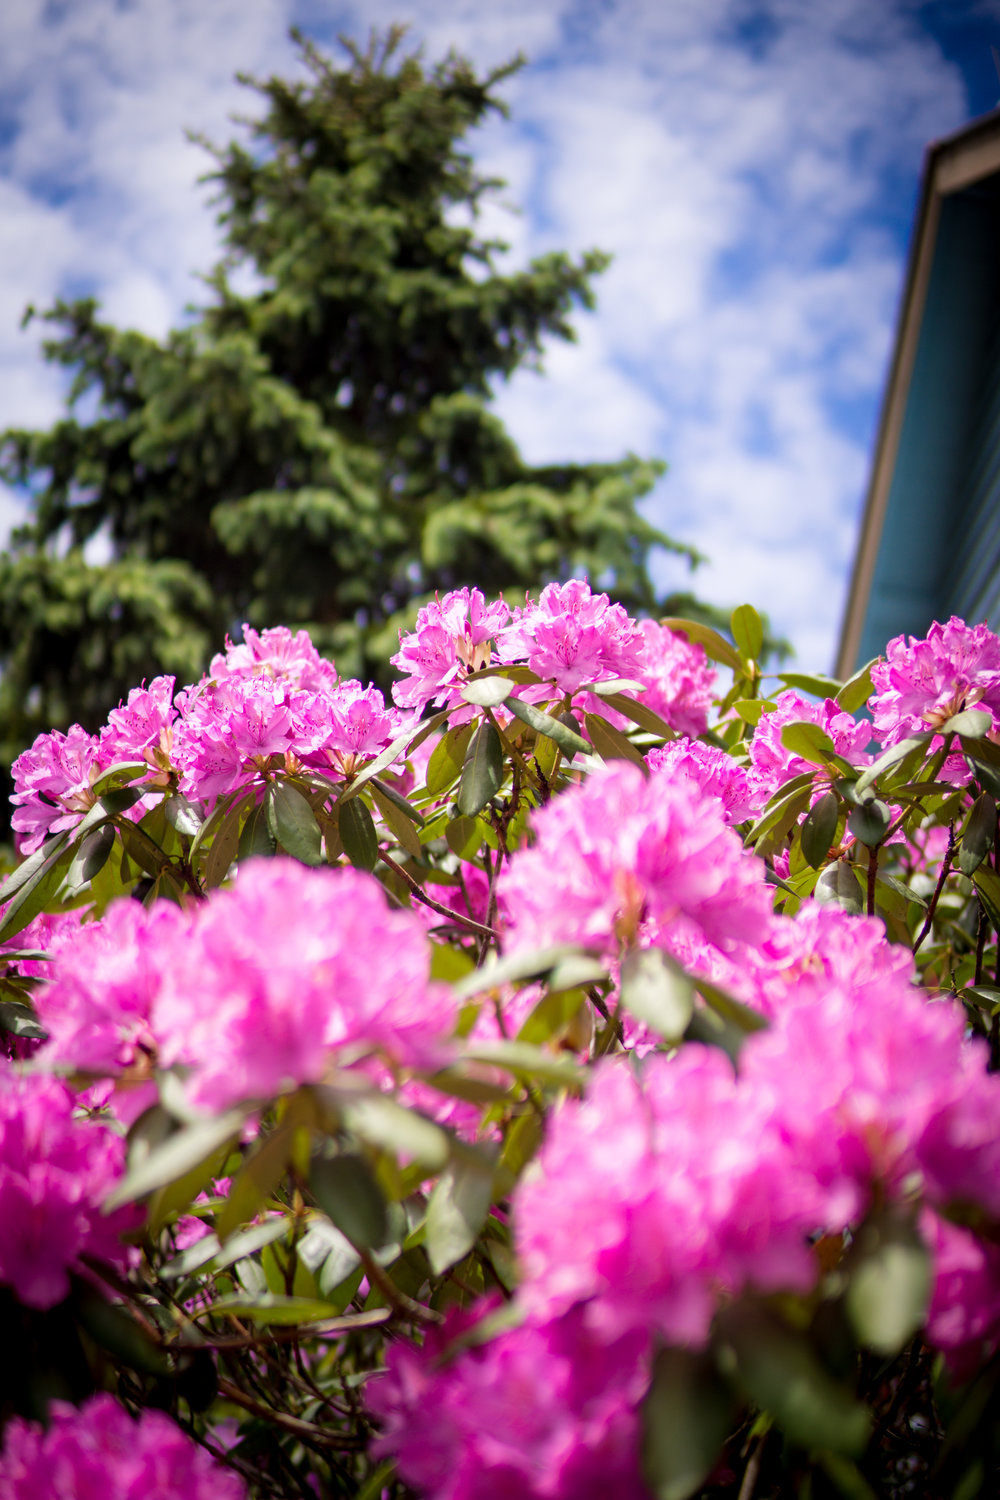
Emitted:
pixel 625 853
pixel 919 684
pixel 453 637
pixel 100 1451
pixel 55 1172
pixel 292 972
pixel 540 1413
pixel 772 763
pixel 712 769
pixel 572 636
pixel 53 784
pixel 140 728
pixel 678 678
pixel 964 1316
pixel 350 725
pixel 278 654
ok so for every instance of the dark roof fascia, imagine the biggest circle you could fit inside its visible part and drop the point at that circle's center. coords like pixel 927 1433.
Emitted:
pixel 951 164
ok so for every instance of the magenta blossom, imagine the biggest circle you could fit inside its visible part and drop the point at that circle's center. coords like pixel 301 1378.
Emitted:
pixel 626 855
pixel 711 769
pixel 453 637
pixel 55 1172
pixel 920 684
pixel 772 763
pixel 678 678
pixel 100 1451
pixel 540 1413
pixel 53 784
pixel 571 637
pixel 278 654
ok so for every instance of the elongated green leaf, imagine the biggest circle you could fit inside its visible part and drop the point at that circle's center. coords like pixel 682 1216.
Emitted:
pixel 782 1375
pixel 889 758
pixel 456 1213
pixel 838 886
pixel 569 742
pixel 208 1252
pixel 293 824
pixel 115 1331
pixel 447 758
pixel 810 741
pixel 256 839
pixel 812 682
pixel 890 1280
pixel 640 713
pixel 971 724
pixel 978 834
pixel 402 827
pixel 464 836
pixel 611 743
pixel 656 992
pixel 182 815
pixel 20 1020
pixel 752 710
pixel 348 1194
pixel 487 692
pixel 272 1307
pixel 869 821
pixel 747 631
pixel 381 1121
pixel 731 1010
pixel 357 833
pixel 119 775
pixel 36 893
pixel 399 802
pixel 513 968
pixel 519 1057
pixel 819 828
pixel 857 689
pixel 185 1149
pixel 686 1416
pixel 329 1255
pixel 987 883
pixel 482 774
pixel 714 644
pixel 225 847
pixel 28 870
pixel 256 1180
pixel 92 854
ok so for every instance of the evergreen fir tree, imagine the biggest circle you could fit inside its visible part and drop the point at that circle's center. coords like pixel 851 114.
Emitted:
pixel 320 450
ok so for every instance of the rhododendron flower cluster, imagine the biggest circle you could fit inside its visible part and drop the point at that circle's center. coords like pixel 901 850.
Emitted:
pixel 268 984
pixel 702 1071
pixel 625 854
pixel 99 1450
pixel 55 1172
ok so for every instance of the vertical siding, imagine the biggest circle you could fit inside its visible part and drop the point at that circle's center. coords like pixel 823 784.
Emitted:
pixel 972 584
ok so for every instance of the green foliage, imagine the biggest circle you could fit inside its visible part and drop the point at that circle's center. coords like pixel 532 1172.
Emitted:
pixel 318 451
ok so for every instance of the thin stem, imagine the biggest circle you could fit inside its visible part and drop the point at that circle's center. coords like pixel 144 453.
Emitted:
pixel 308 1432
pixel 872 875
pixel 945 872
pixel 442 911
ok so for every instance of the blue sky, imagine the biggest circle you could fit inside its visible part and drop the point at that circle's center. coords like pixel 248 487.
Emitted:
pixel 752 166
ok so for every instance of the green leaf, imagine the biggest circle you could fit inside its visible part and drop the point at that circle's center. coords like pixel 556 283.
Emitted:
pixel 610 743
pixel 186 1149
pixel 208 1251
pixel 447 758
pixel 838 886
pixel 256 840
pixel 404 742
pixel 399 825
pixel 809 682
pixel 272 1307
pixel 348 1194
pixel 36 893
pixel 781 1374
pixel 869 821
pixel 818 829
pixel 752 710
pixel 20 1020
pixel 256 1180
pixel 987 883
pixel 512 969
pixel 639 713
pixel 464 836
pixel 687 1415
pixel 971 724
pixel 456 1213
pixel 29 869
pixel 357 833
pixel 569 742
pixel 978 834
pixel 520 1057
pixel 809 741
pixel 487 692
pixel 182 815
pixel 657 992
pixel 889 758
pixel 293 824
pixel 328 1254
pixel 551 1016
pixel 92 854
pixel 115 1331
pixel 857 689
pixel 714 644
pixel 119 775
pixel 383 1122
pixel 225 846
pixel 482 774
pixel 747 631
pixel 731 1010
pixel 890 1279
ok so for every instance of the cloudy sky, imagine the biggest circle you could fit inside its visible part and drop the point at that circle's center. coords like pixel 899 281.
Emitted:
pixel 752 167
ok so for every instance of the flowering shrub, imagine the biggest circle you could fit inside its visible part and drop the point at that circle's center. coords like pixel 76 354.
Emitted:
pixel 556 1081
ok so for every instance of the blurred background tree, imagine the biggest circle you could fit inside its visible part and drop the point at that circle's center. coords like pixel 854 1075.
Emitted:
pixel 320 450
